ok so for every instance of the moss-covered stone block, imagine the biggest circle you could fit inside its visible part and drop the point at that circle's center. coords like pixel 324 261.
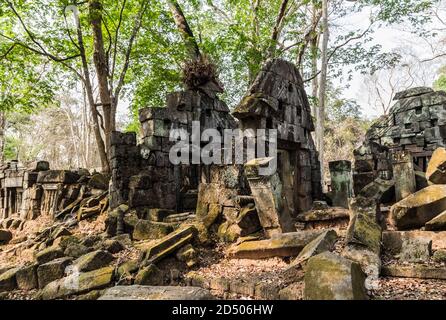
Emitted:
pixel 331 277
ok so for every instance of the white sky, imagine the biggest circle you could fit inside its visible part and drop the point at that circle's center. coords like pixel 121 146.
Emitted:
pixel 393 38
pixel 390 38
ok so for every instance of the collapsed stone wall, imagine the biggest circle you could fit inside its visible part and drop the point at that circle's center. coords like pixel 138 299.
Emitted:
pixel 416 123
pixel 277 100
pixel 28 191
pixel 144 178
pixel 142 174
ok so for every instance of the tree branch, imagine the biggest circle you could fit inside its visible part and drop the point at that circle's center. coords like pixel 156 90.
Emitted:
pixel 136 27
pixel 112 73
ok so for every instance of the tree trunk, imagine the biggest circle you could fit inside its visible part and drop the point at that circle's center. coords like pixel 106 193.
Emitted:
pixel 102 72
pixel 185 30
pixel 89 92
pixel 2 135
pixel 322 86
pixel 314 46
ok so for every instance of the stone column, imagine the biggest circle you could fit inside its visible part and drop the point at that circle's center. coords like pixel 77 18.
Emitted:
pixel 270 201
pixel 403 174
pixel 341 182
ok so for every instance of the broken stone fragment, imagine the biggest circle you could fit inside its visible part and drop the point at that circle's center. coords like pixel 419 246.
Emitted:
pixel 323 242
pixel 415 271
pixel 416 250
pixel 209 216
pixel 150 276
pixel 188 255
pixel 112 246
pixel 137 292
pixel 93 260
pixel 49 254
pixel 331 277
pixel 439 256
pixel 26 277
pixel 169 244
pixel 282 245
pixel 98 181
pixel 437 224
pixel 383 191
pixel 392 241
pixel 267 190
pixel 145 229
pixel 77 283
pixel 59 232
pixel 436 169
pixel 419 208
pixel 64 241
pixel 8 280
pixel 126 269
pixel 369 261
pixel 76 250
pixel 51 271
pixel 5 236
pixel 363 228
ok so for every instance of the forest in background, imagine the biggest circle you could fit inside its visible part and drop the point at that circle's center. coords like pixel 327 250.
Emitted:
pixel 73 71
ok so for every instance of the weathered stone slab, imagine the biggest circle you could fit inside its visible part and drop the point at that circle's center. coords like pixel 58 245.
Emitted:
pixel 48 254
pixel 341 182
pixel 330 213
pixel 416 250
pixel 403 174
pixel 77 283
pixel 169 244
pixel 363 228
pixel 93 260
pixel 57 176
pixel 418 271
pixel 436 169
pixel 393 240
pixel 332 277
pixel 149 275
pixel 145 229
pixel 438 223
pixel 137 292
pixel 267 190
pixel 323 242
pixel 26 277
pixel 383 191
pixel 369 261
pixel 52 270
pixel 282 245
pixel 418 208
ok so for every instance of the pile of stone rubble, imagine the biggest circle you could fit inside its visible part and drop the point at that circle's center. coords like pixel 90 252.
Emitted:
pixel 164 231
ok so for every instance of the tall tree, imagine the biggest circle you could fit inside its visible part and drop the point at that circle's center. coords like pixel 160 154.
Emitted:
pixel 322 85
pixel 105 37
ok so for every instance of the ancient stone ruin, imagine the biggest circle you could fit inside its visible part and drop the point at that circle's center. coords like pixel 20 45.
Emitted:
pixel 159 229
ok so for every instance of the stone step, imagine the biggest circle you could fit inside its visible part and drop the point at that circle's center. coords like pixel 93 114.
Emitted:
pixel 282 245
pixel 393 240
pixel 137 292
pixel 169 244
pixel 419 272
